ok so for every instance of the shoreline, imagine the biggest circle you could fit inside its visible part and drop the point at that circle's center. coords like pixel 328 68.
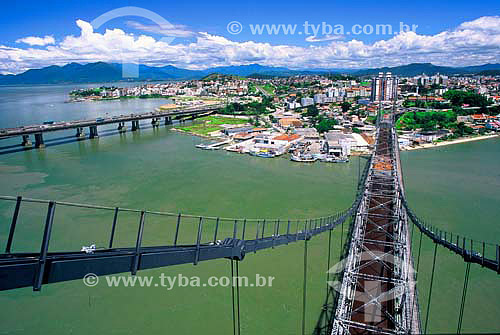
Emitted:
pixel 445 143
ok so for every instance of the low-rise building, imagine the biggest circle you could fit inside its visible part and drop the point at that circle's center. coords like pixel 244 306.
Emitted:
pixel 290 122
pixel 338 144
pixel 307 133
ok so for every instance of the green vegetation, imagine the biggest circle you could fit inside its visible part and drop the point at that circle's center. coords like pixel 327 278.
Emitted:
pixel 426 104
pixel 221 77
pixel 208 124
pixel 90 91
pixel 459 98
pixel 252 108
pixel 427 120
pixel 371 119
pixel 251 88
pixel 325 124
pixel 312 112
pixel 345 106
pixel 151 96
pixel 268 88
pixel 282 89
pixel 460 130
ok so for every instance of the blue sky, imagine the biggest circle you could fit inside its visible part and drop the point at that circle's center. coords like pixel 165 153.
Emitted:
pixel 201 34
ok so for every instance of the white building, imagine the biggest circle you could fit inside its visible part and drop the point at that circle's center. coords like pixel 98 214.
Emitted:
pixel 319 98
pixel 306 102
pixel 385 87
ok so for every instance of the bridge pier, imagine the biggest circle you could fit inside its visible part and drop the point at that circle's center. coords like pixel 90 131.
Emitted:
pixel 26 141
pixel 80 134
pixel 93 132
pixel 168 120
pixel 135 125
pixel 155 122
pixel 121 127
pixel 39 141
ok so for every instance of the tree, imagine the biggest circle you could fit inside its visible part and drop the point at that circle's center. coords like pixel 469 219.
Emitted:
pixel 459 98
pixel 345 106
pixel 325 125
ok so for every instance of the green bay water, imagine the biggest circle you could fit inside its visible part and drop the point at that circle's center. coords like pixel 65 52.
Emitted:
pixel 162 170
pixel 456 188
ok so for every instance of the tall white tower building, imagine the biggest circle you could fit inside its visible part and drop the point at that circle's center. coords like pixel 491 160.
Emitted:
pixel 385 87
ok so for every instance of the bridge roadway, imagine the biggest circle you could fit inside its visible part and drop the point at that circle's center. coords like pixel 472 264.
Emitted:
pixel 378 294
pixel 92 124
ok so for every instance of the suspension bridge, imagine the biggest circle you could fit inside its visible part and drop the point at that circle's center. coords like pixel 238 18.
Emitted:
pixel 374 293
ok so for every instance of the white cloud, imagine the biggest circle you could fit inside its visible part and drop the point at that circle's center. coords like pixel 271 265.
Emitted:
pixel 38 41
pixel 166 30
pixel 324 38
pixel 471 43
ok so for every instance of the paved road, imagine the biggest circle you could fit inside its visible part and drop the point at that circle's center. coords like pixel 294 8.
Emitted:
pixel 33 129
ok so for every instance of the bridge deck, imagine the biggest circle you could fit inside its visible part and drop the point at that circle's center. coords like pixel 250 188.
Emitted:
pixel 34 129
pixel 375 295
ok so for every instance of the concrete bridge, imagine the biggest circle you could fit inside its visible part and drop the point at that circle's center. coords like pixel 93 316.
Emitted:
pixel 168 116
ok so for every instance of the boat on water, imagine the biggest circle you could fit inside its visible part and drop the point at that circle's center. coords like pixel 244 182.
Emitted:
pixel 303 158
pixel 265 154
pixel 335 159
pixel 262 153
pixel 207 147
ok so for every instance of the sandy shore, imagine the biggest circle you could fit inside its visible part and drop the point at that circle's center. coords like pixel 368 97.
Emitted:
pixel 444 143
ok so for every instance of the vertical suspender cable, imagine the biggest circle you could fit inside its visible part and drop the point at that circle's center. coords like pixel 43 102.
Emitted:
pixel 341 238
pixel 328 257
pixel 328 273
pixel 238 294
pixel 430 289
pixel 418 257
pixel 304 295
pixel 232 296
pixel 464 295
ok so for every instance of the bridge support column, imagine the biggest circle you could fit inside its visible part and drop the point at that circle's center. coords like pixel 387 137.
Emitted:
pixel 168 120
pixel 80 134
pixel 155 122
pixel 39 141
pixel 93 132
pixel 135 125
pixel 121 127
pixel 26 141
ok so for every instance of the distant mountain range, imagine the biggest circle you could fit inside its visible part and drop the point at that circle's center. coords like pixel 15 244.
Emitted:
pixel 416 69
pixel 109 72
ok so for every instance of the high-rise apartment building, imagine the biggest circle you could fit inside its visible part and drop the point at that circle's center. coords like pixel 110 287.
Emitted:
pixel 385 87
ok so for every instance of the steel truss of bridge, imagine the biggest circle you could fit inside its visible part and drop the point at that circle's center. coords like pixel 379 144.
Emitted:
pixel 378 293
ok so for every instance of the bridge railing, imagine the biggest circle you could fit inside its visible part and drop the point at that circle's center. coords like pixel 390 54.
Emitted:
pixel 112 227
pixel 483 253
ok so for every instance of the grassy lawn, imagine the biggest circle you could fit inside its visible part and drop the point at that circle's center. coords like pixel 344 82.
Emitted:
pixel 268 88
pixel 208 124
